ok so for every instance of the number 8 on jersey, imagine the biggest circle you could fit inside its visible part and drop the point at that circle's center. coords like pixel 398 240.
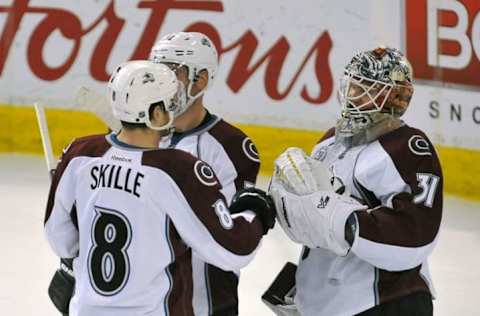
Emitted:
pixel 108 262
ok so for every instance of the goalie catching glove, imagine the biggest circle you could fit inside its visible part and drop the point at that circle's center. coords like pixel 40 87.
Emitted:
pixel 300 173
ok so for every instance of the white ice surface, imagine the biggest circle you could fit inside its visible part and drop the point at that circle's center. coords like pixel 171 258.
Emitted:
pixel 27 263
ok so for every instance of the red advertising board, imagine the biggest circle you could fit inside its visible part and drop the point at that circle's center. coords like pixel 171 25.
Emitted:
pixel 443 40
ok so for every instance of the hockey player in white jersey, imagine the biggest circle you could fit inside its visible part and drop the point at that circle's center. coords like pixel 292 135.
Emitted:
pixel 367 205
pixel 231 153
pixel 130 214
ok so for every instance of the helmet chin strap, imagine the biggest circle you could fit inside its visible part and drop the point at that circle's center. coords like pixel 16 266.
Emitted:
pixel 189 99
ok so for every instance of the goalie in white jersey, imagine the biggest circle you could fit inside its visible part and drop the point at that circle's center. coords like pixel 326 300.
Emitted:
pixel 367 205
pixel 128 213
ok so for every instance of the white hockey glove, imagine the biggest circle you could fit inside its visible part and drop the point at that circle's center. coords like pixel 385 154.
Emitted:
pixel 316 220
pixel 301 174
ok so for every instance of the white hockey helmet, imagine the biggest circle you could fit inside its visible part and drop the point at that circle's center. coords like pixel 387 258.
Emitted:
pixel 137 85
pixel 193 50
pixel 376 81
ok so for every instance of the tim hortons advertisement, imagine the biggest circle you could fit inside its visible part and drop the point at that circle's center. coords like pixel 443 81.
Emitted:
pixel 279 62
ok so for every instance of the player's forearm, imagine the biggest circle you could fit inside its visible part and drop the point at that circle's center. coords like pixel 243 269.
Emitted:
pixel 396 239
pixel 229 251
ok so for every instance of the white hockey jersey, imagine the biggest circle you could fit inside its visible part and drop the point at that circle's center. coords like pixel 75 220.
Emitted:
pixel 131 218
pixel 235 161
pixel 399 177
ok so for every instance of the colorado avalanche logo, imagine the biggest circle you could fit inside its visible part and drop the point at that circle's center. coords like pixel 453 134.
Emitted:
pixel 250 150
pixel 204 173
pixel 419 146
pixel 148 77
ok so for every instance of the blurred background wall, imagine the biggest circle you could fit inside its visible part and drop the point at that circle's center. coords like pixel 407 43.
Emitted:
pixel 280 64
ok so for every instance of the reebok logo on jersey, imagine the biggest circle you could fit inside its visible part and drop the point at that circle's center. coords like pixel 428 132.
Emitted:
pixel 323 202
pixel 122 159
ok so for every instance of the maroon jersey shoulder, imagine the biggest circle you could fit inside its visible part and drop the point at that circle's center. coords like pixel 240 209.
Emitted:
pixel 88 146
pixel 181 166
pixel 411 150
pixel 240 149
pixel 235 142
pixel 189 173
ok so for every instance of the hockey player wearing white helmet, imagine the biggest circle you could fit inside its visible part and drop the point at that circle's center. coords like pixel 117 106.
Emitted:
pixel 367 204
pixel 128 214
pixel 231 154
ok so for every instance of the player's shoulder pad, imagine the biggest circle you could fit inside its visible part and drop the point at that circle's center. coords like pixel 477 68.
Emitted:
pixel 409 147
pixel 181 166
pixel 87 146
pixel 235 142
pixel 407 142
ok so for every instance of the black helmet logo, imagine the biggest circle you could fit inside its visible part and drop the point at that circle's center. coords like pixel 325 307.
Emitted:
pixel 206 42
pixel 148 77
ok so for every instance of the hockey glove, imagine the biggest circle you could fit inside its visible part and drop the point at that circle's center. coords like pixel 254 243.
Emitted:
pixel 315 220
pixel 62 285
pixel 301 174
pixel 257 201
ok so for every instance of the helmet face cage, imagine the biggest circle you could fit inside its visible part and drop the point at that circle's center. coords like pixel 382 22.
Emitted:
pixel 376 81
pixel 360 95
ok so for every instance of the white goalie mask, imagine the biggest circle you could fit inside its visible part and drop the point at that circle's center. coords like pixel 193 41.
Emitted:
pixel 376 81
pixel 137 85
pixel 193 50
